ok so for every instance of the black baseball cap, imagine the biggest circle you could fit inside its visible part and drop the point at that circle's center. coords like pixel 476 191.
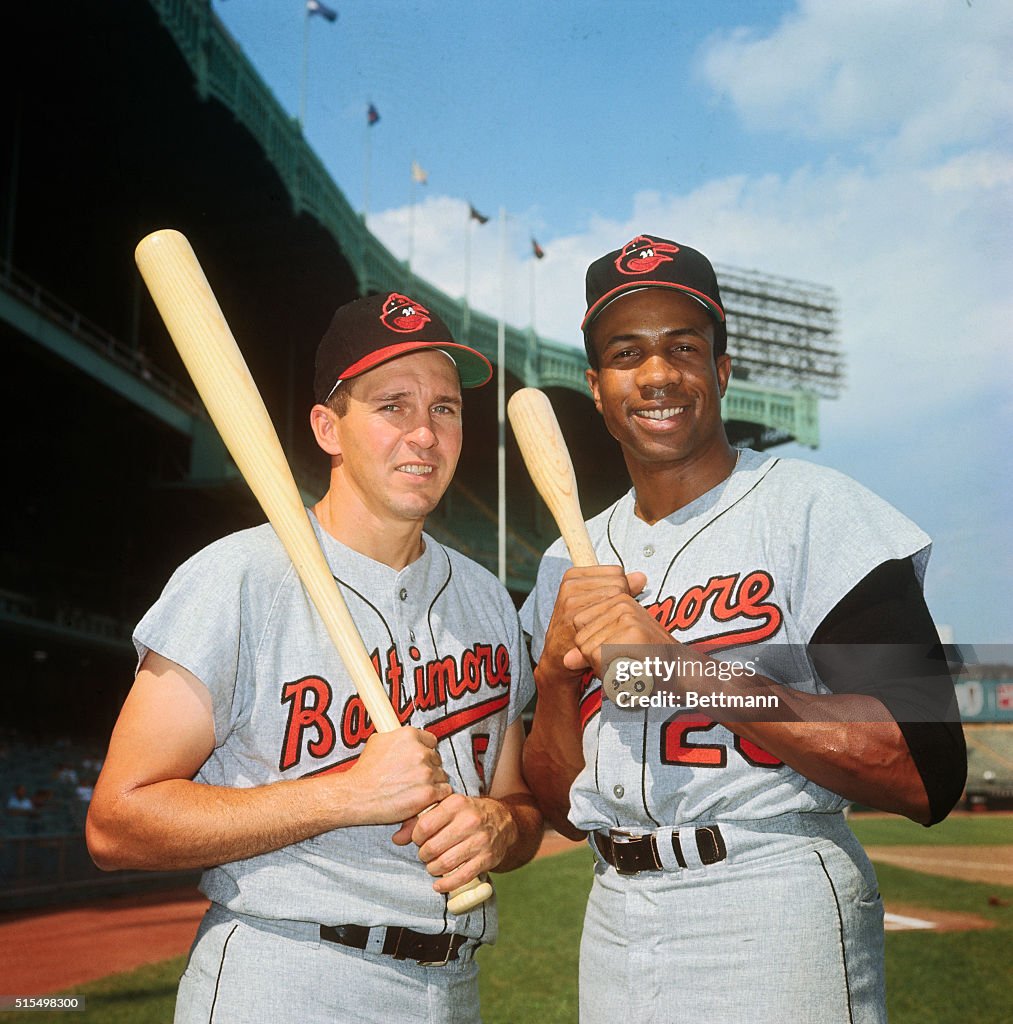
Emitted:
pixel 650 262
pixel 370 331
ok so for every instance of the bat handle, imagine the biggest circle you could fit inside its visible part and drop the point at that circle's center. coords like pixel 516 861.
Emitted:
pixel 468 896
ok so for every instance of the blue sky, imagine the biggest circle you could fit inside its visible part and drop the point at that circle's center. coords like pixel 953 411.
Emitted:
pixel 859 145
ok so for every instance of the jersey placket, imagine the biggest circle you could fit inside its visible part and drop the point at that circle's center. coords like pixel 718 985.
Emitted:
pixel 412 640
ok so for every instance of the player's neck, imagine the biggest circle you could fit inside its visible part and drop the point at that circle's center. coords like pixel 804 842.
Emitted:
pixel 396 543
pixel 662 489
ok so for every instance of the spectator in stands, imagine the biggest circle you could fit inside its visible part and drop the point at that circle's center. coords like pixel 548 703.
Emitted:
pixel 20 803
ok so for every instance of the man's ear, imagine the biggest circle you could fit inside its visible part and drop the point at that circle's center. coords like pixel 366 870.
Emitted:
pixel 591 376
pixel 724 368
pixel 326 429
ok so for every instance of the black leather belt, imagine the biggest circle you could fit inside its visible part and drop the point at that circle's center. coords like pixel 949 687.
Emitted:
pixel 630 854
pixel 399 943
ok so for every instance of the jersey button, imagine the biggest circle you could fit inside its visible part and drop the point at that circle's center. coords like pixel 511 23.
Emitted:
pixel 648 550
pixel 618 792
pixel 403 595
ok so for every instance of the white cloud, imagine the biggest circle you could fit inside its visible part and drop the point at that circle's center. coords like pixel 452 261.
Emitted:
pixel 926 74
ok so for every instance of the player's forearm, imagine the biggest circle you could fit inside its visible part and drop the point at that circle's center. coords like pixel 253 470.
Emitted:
pixel 847 743
pixel 553 754
pixel 178 825
pixel 524 830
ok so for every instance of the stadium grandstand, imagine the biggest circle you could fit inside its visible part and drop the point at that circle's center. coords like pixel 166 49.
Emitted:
pixel 124 116
pixel 985 696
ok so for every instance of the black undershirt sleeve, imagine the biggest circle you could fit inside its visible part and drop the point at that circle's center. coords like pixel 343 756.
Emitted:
pixel 879 639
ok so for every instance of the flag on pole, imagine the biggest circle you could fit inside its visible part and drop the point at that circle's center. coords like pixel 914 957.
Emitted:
pixel 475 215
pixel 418 174
pixel 372 115
pixel 318 7
pixel 537 250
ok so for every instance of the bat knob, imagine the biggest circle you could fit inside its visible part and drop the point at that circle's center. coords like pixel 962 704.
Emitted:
pixel 636 685
pixel 469 896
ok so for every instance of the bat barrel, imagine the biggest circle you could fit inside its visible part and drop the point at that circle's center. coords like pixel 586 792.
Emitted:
pixel 548 461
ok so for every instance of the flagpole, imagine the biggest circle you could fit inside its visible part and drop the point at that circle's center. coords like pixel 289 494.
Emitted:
pixel 411 229
pixel 368 160
pixel 467 277
pixel 305 64
pixel 501 399
pixel 531 315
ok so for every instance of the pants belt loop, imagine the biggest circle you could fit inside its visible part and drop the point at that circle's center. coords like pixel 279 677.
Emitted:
pixel 593 843
pixel 700 846
pixel 689 848
pixel 668 849
pixel 377 937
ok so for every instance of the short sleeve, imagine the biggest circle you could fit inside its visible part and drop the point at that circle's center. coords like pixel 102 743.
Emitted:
pixel 846 532
pixel 197 622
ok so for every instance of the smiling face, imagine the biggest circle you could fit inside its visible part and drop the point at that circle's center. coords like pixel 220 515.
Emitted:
pixel 399 439
pixel 657 383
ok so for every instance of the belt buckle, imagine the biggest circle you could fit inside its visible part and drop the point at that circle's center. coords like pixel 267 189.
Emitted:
pixel 446 956
pixel 618 839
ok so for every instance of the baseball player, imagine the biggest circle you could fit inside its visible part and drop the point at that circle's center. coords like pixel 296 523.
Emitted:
pixel 243 748
pixel 728 886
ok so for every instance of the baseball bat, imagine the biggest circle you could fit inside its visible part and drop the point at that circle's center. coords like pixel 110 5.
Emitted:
pixel 551 469
pixel 209 351
pixel 548 461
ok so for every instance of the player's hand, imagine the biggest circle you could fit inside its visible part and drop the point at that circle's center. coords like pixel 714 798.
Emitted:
pixel 398 774
pixel 460 838
pixel 617 620
pixel 581 590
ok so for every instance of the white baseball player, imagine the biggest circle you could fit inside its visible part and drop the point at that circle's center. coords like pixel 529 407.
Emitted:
pixel 728 886
pixel 243 749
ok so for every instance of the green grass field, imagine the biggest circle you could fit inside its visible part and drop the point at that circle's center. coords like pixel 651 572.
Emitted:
pixel 962 830
pixel 530 976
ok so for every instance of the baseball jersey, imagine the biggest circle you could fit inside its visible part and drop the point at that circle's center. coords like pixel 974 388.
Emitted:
pixel 747 571
pixel 444 636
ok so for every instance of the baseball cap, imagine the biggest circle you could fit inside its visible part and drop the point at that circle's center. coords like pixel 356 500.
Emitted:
pixel 372 330
pixel 650 262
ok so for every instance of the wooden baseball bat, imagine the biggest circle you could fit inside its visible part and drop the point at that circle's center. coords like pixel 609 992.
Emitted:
pixel 548 461
pixel 198 329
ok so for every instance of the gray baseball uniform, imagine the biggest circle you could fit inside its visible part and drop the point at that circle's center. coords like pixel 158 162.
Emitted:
pixel 445 637
pixel 753 565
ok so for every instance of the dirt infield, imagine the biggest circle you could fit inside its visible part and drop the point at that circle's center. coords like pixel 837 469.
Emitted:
pixel 968 863
pixel 56 950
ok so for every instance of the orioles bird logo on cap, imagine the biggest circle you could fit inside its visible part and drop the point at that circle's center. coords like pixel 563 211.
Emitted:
pixel 403 315
pixel 643 254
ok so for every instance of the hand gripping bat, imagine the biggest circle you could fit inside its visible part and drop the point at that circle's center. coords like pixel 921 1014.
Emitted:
pixel 551 470
pixel 198 329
